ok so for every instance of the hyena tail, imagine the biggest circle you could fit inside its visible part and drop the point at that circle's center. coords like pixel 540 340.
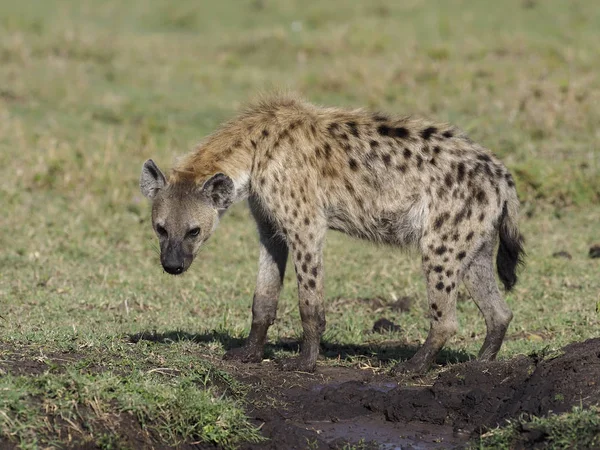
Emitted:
pixel 510 251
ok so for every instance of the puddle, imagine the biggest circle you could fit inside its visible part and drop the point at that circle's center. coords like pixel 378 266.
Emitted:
pixel 386 435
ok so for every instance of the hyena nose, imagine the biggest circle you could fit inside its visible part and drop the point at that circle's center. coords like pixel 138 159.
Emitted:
pixel 173 269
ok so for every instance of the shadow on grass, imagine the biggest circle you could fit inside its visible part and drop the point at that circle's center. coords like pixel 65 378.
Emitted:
pixel 330 350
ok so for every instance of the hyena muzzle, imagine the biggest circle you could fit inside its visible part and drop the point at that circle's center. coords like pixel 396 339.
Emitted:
pixel 304 169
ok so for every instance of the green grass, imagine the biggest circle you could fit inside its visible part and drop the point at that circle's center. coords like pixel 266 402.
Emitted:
pixel 90 89
pixel 579 428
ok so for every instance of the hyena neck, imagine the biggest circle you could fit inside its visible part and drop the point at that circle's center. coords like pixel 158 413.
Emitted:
pixel 238 145
pixel 220 153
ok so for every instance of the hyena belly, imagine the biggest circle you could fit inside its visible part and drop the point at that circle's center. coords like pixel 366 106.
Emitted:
pixel 400 226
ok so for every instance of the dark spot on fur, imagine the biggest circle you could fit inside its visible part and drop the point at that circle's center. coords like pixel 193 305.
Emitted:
pixel 439 314
pixel 265 133
pixel 484 157
pixel 401 167
pixel 428 132
pixel 461 255
pixel 444 237
pixel 353 128
pixel 299 277
pixel 353 164
pixel 332 128
pixel 378 117
pixel 449 273
pixel 447 134
pixel 419 161
pixel 448 181
pixel 308 257
pixel 407 153
pixel 295 213
pixel 398 132
pixel 327 149
pixel 262 181
pixel 349 187
pixel 374 144
pixel 298 256
pixel 312 283
pixel 481 197
pixel 384 130
pixel 314 271
pixel 455 237
pixel 306 221
pixel 425 258
pixel 434 306
pixel 439 286
pixel 386 159
pixel 304 268
pixel 253 143
pixel 401 132
pixel 438 269
pixel 469 236
pixel 440 220
pixel 440 250
pixel 448 289
pixel 436 150
pixel 460 172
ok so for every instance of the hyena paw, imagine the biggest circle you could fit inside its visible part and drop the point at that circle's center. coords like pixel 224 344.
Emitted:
pixel 298 364
pixel 245 354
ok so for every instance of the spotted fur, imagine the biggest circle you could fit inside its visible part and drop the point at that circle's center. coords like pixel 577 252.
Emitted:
pixel 401 181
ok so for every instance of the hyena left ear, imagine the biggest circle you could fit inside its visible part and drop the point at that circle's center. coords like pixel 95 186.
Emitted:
pixel 151 180
pixel 219 189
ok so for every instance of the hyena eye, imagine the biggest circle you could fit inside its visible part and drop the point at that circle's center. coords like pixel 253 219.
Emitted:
pixel 194 232
pixel 161 231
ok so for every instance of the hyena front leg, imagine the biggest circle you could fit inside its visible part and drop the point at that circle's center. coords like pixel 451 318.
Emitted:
pixel 307 250
pixel 481 283
pixel 271 270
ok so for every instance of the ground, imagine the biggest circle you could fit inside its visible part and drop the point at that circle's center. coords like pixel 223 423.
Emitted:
pixel 100 349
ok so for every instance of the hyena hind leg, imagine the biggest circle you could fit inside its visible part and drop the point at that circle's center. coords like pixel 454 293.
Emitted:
pixel 271 270
pixel 441 292
pixel 481 283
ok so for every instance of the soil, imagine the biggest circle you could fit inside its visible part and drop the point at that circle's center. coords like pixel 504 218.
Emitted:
pixel 445 409
pixel 339 405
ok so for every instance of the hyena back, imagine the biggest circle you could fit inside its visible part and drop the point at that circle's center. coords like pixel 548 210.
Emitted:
pixel 405 182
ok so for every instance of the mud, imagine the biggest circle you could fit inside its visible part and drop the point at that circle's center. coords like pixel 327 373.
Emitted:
pixel 336 406
pixel 340 405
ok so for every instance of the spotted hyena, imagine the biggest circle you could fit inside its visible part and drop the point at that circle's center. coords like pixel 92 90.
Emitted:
pixel 304 169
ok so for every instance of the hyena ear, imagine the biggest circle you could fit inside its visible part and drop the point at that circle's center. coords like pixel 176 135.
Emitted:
pixel 152 179
pixel 220 190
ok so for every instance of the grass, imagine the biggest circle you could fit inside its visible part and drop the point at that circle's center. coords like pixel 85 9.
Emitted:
pixel 579 428
pixel 90 89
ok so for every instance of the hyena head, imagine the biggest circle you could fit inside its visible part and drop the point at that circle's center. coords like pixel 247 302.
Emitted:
pixel 184 213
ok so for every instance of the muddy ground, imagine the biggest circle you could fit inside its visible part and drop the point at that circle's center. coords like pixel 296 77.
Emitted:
pixel 445 409
pixel 334 406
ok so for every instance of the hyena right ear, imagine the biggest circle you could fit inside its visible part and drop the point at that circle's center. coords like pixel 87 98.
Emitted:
pixel 152 180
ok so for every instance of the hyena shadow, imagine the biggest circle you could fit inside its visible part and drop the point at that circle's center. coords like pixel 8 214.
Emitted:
pixel 371 353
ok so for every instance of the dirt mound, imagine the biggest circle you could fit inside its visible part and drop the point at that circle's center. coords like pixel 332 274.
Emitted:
pixel 339 405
